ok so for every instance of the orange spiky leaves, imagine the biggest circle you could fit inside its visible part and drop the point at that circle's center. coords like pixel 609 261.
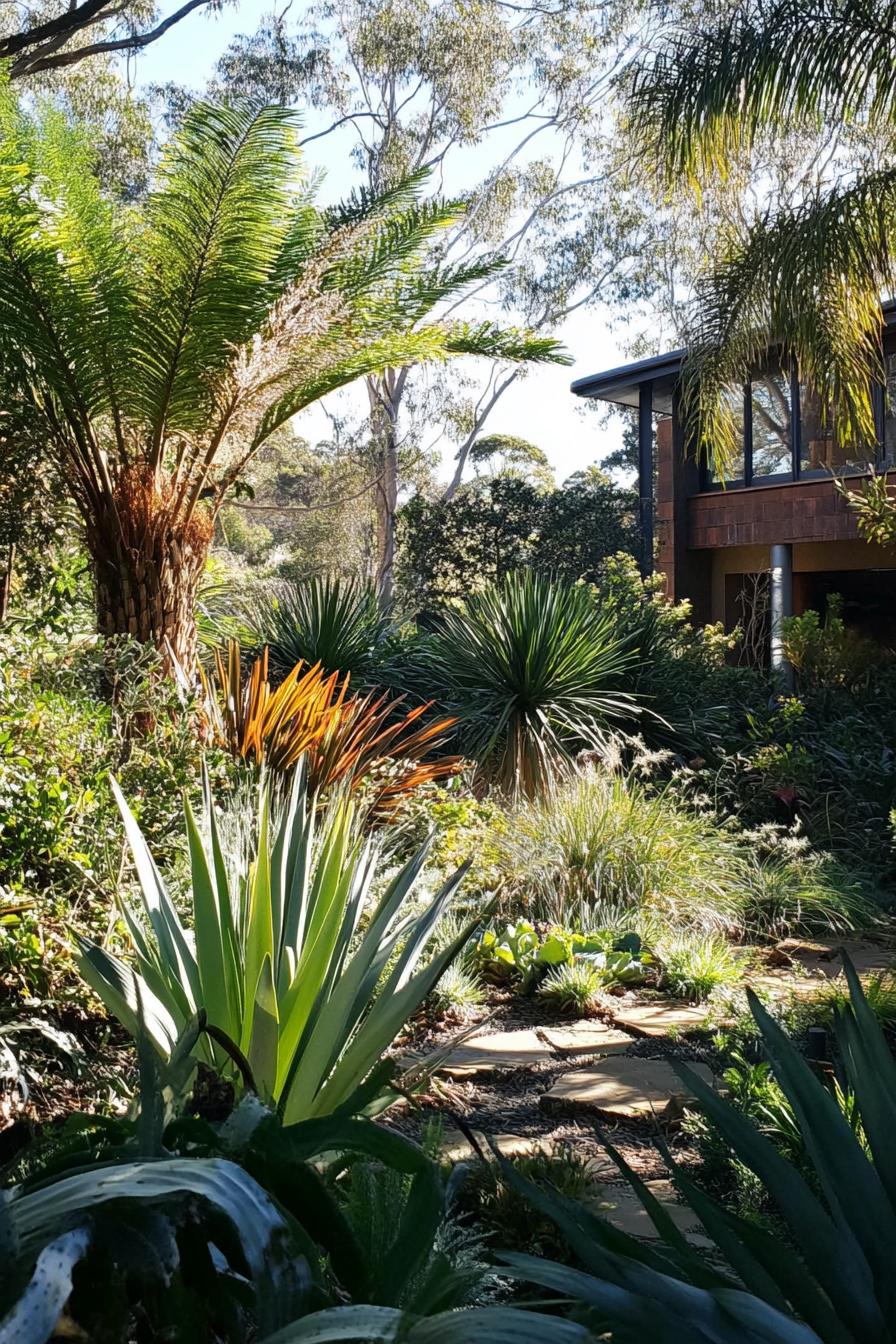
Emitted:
pixel 356 740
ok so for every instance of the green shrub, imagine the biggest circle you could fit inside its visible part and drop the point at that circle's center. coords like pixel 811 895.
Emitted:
pixel 272 958
pixel 681 672
pixel 534 672
pixel 693 964
pixel 69 716
pixel 523 955
pixel 827 653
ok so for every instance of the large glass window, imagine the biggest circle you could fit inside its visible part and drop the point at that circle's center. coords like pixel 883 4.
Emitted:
pixel 890 410
pixel 734 470
pixel 771 414
pixel 820 446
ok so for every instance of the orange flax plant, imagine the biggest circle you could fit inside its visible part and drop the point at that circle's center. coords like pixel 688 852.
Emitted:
pixel 343 738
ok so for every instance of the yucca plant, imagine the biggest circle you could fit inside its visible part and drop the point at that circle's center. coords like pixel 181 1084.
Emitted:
pixel 335 622
pixel 343 738
pixel 155 347
pixel 301 987
pixel 830 1282
pixel 533 672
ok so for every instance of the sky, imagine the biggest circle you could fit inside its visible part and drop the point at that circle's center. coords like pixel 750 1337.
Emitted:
pixel 539 406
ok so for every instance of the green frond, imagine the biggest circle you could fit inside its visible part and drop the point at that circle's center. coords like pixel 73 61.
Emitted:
pixel 398 243
pixel 809 284
pixel 340 362
pixel 215 228
pixel 363 204
pixel 422 292
pixel 708 93
pixel 513 343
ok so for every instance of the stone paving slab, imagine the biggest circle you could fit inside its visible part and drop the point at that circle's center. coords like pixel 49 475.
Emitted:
pixel 457 1148
pixel 497 1052
pixel 621 1207
pixel 822 956
pixel 625 1087
pixel 663 1018
pixel 586 1037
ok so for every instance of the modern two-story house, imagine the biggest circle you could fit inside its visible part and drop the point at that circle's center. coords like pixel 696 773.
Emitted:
pixel 779 512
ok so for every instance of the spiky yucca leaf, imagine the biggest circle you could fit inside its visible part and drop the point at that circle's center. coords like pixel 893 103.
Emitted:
pixel 533 672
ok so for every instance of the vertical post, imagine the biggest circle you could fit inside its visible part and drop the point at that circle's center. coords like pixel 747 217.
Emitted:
pixel 645 475
pixel 781 606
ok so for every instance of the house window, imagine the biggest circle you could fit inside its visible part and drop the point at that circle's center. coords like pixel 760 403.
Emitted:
pixel 890 410
pixel 820 445
pixel 771 414
pixel 735 472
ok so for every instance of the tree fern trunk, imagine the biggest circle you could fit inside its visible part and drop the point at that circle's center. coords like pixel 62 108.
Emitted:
pixel 147 566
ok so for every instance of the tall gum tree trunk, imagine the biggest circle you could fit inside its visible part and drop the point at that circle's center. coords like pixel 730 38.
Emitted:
pixel 148 564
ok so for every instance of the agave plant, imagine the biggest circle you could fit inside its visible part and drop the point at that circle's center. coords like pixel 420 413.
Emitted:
pixel 534 673
pixel 341 738
pixel 830 1283
pixel 335 622
pixel 295 996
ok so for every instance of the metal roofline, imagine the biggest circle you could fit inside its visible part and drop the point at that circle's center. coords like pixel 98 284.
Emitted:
pixel 629 375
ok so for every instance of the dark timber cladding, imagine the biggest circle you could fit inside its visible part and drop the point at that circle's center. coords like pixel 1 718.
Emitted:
pixel 648 387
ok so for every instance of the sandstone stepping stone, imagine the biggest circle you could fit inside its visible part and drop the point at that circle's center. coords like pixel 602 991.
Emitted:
pixel 586 1037
pixel 625 1087
pixel 457 1148
pixel 621 1207
pixel 664 1018
pixel 823 955
pixel 498 1052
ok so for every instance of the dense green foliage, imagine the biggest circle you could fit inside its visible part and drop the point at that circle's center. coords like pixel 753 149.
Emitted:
pixel 500 524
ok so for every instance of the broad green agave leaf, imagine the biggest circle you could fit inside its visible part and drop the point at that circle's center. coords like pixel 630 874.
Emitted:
pixel 484 1325
pixel 34 1316
pixel 274 962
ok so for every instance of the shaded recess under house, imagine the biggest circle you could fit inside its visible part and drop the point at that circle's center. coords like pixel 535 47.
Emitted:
pixel 778 522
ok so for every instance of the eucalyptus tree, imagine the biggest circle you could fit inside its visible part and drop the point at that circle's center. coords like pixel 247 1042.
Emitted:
pixel 158 346
pixel 56 36
pixel 810 276
pixel 509 101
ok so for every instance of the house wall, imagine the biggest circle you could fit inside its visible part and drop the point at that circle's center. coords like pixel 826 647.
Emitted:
pixel 808 558
pixel 701 537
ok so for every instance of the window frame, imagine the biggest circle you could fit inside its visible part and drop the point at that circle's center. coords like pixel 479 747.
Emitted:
pixel 797 472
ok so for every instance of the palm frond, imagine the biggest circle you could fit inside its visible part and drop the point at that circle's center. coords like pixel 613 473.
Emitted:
pixel 709 92
pixel 215 227
pixel 808 284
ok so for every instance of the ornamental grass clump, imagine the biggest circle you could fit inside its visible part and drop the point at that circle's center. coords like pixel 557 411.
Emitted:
pixel 602 839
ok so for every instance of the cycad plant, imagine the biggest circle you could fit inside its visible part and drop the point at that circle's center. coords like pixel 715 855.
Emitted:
pixel 808 279
pixel 303 981
pixel 830 1281
pixel 157 346
pixel 534 674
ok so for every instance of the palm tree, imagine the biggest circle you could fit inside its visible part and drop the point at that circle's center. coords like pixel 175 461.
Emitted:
pixel 810 277
pixel 158 345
